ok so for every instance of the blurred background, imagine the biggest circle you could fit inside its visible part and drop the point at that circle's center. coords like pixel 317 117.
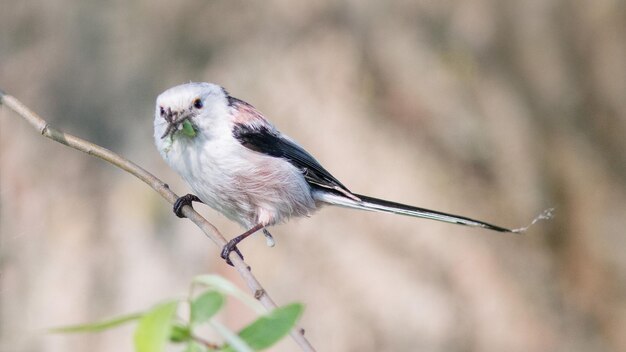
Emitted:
pixel 491 109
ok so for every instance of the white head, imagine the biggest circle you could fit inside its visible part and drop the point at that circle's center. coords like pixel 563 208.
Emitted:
pixel 204 105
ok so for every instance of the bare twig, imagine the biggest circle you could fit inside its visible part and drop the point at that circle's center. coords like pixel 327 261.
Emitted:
pixel 160 187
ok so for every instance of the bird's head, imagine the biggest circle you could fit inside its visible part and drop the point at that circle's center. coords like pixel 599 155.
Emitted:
pixel 187 110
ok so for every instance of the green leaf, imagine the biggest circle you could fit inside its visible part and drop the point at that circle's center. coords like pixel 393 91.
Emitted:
pixel 224 286
pixel 269 329
pixel 205 306
pixel 98 326
pixel 188 129
pixel 180 332
pixel 154 328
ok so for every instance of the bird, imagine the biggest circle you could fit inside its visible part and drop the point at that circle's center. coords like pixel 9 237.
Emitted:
pixel 238 163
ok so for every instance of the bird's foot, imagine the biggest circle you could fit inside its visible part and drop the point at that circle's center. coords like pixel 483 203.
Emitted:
pixel 187 199
pixel 229 247
pixel 232 244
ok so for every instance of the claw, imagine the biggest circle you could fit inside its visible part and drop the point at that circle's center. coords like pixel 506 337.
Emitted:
pixel 229 247
pixel 182 201
pixel 232 244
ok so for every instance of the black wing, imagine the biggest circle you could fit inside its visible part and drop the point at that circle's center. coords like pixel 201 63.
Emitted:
pixel 269 142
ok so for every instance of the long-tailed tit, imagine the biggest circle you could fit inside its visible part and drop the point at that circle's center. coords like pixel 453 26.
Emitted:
pixel 238 163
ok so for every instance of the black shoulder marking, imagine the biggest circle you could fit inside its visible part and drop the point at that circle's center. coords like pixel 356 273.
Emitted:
pixel 231 100
pixel 235 101
pixel 263 140
pixel 259 139
pixel 225 93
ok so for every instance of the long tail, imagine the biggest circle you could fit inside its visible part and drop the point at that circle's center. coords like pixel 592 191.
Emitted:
pixel 380 205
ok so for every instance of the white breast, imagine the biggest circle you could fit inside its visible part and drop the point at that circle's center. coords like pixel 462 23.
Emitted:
pixel 246 186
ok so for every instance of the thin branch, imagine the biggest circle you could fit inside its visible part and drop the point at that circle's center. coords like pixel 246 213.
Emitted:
pixel 160 187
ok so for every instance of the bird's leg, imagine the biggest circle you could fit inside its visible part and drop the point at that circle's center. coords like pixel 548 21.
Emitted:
pixel 232 244
pixel 182 201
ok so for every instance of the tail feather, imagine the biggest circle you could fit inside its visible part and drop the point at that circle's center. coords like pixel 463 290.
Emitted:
pixel 375 204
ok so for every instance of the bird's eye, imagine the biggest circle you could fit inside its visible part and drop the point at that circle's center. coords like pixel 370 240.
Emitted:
pixel 197 103
pixel 162 111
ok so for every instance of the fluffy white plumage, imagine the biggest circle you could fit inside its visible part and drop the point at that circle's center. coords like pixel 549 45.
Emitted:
pixel 238 163
pixel 246 186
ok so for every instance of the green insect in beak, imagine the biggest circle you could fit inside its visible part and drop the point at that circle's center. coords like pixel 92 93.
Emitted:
pixel 188 129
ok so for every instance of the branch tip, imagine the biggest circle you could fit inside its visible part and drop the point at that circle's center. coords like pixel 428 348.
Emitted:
pixel 545 215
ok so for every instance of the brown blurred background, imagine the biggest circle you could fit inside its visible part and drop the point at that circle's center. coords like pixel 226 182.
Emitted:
pixel 487 108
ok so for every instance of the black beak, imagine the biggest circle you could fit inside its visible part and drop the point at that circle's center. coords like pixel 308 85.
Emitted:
pixel 174 119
